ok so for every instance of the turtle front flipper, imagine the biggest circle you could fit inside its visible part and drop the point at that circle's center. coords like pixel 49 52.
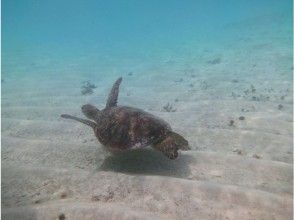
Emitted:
pixel 113 95
pixel 84 121
pixel 171 144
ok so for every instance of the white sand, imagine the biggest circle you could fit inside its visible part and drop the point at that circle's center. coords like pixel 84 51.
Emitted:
pixel 52 166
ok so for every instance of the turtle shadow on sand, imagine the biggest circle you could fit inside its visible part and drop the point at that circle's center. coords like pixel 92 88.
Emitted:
pixel 148 162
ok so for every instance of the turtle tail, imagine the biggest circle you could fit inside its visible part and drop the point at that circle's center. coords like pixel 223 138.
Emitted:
pixel 84 121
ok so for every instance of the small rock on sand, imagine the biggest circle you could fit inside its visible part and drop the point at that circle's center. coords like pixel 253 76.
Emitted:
pixel 238 151
pixel 256 156
pixel 61 216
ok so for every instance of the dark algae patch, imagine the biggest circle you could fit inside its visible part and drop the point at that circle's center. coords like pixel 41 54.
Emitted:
pixel 179 80
pixel 61 216
pixel 214 61
pixel 169 108
pixel 241 118
pixel 87 88
pixel 231 123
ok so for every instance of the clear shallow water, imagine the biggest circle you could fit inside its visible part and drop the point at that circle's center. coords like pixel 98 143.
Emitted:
pixel 126 34
pixel 212 61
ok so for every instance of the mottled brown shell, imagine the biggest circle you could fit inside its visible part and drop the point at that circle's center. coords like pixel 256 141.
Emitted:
pixel 121 128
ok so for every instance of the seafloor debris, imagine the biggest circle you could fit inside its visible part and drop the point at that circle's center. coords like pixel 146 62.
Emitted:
pixel 179 80
pixel 253 90
pixel 103 197
pixel 61 216
pixel 231 123
pixel 130 73
pixel 189 71
pixel 204 85
pixel 251 94
pixel 214 61
pixel 169 108
pixel 241 118
pixel 248 109
pixel 238 151
pixel 246 92
pixel 256 156
pixel 263 97
pixel 38 201
pixel 87 88
pixel 280 106
pixel 86 91
pixel 234 95
pixel 63 195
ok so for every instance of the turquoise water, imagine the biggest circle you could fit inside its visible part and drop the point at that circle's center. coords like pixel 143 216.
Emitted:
pixel 124 34
pixel 218 71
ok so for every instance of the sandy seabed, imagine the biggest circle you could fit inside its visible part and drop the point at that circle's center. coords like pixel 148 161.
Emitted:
pixel 237 169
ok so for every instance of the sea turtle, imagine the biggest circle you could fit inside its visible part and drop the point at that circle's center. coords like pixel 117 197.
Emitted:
pixel 121 128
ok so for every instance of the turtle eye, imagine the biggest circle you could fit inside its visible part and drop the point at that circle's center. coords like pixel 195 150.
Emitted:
pixel 85 107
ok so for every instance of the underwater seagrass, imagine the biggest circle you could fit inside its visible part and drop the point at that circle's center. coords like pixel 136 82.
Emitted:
pixel 121 128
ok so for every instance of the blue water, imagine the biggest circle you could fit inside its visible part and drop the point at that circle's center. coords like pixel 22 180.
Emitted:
pixel 125 33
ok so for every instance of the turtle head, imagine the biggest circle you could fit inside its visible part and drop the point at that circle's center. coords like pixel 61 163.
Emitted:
pixel 91 112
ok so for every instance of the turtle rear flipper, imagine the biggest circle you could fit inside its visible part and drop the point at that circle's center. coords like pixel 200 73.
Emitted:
pixel 171 144
pixel 113 95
